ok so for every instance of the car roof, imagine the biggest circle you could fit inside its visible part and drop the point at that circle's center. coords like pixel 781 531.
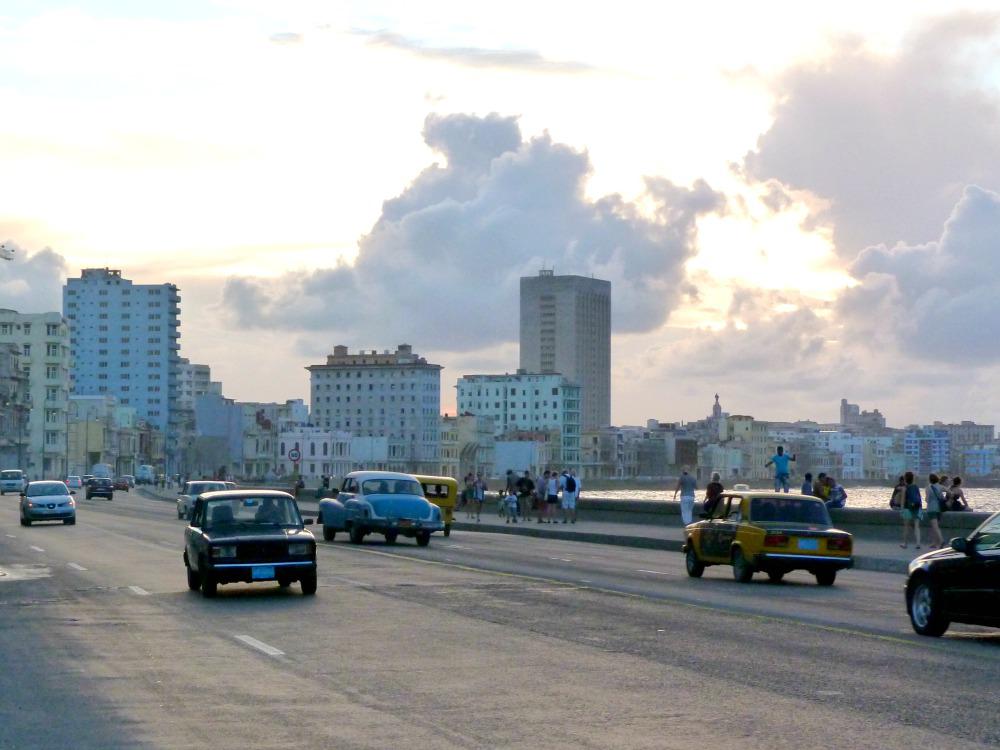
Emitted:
pixel 432 479
pixel 236 494
pixel 48 481
pixel 364 475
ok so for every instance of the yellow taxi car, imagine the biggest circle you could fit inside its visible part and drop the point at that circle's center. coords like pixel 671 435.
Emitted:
pixel 773 533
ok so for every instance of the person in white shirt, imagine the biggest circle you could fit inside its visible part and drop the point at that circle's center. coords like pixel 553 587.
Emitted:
pixel 510 506
pixel 551 497
pixel 570 493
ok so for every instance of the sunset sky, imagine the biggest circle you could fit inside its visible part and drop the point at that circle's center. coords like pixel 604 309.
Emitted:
pixel 794 203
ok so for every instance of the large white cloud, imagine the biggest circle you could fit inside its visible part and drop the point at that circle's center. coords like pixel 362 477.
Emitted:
pixel 442 264
pixel 32 283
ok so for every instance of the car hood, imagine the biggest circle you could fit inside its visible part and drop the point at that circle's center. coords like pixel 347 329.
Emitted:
pixel 939 554
pixel 45 499
pixel 258 535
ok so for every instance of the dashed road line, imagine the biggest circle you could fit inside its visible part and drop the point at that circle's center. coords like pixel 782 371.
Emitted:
pixel 11 536
pixel 654 572
pixel 138 591
pixel 37 549
pixel 259 645
pixel 75 566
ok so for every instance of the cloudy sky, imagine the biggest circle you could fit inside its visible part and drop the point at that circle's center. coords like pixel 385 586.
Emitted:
pixel 789 212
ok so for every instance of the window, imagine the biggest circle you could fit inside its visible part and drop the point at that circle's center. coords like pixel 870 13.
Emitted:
pixel 26 350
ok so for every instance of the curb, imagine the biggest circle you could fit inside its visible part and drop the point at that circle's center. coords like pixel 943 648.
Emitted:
pixel 861 562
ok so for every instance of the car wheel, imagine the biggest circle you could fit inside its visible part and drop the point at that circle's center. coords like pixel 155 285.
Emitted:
pixel 925 611
pixel 826 577
pixel 180 515
pixel 194 580
pixel 742 570
pixel 88 496
pixel 423 539
pixel 329 534
pixel 390 537
pixel 357 535
pixel 447 530
pixel 25 521
pixel 775 576
pixel 308 583
pixel 209 586
pixel 695 567
pixel 69 522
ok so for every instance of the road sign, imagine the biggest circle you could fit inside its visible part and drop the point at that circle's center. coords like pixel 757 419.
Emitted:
pixel 294 455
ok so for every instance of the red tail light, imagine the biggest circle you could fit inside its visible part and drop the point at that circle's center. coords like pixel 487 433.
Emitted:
pixel 776 540
pixel 839 543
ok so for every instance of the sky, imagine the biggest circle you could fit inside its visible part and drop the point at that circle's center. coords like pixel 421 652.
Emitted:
pixel 789 213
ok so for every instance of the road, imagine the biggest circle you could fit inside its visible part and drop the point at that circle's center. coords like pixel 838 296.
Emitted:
pixel 479 641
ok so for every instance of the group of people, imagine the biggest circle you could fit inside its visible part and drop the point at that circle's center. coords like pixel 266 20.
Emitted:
pixel 826 488
pixel 523 495
pixel 939 496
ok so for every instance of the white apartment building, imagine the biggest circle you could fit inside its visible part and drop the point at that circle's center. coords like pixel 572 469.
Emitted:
pixel 396 395
pixel 44 342
pixel 322 453
pixel 565 328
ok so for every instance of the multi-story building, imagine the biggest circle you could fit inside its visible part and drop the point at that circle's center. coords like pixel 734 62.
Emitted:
pixel 566 329
pixel 14 407
pixel 927 449
pixel 396 395
pixel 323 453
pixel 852 416
pixel 468 445
pixel 44 342
pixel 125 344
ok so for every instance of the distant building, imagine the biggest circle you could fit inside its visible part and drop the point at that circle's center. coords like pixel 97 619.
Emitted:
pixel 852 416
pixel 565 328
pixel 927 450
pixel 467 445
pixel 15 405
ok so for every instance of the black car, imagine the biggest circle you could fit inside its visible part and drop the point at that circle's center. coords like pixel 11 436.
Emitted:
pixel 248 536
pixel 957 584
pixel 100 487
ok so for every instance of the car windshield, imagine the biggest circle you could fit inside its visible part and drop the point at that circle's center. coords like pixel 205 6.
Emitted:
pixel 392 487
pixel 10 474
pixel 251 511
pixel 196 488
pixel 988 536
pixel 46 489
pixel 789 510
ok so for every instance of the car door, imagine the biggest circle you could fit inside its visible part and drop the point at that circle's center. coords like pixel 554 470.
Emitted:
pixel 719 531
pixel 972 587
pixel 193 541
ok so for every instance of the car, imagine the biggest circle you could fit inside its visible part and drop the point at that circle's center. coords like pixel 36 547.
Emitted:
pixel 12 480
pixel 958 583
pixel 74 482
pixel 120 483
pixel 774 533
pixel 230 485
pixel 100 487
pixel 130 479
pixel 191 491
pixel 381 502
pixel 248 536
pixel 145 474
pixel 48 500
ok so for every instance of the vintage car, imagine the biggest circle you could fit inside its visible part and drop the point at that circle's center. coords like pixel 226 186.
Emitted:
pixel 48 500
pixel 191 491
pixel 248 536
pixel 774 533
pixel 380 502
pixel 960 583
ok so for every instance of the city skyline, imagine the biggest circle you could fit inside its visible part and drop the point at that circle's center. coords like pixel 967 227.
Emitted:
pixel 743 257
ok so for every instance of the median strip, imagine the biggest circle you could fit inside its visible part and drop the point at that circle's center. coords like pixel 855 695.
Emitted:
pixel 259 645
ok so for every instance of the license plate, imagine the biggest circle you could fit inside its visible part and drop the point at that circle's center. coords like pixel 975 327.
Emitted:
pixel 405 522
pixel 809 544
pixel 263 572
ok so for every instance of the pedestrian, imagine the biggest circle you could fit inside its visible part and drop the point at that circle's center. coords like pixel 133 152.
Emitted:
pixel 911 509
pixel 837 496
pixel 479 488
pixel 807 484
pixel 713 492
pixel 898 494
pixel 508 501
pixel 781 469
pixel 525 490
pixel 820 488
pixel 509 488
pixel 467 493
pixel 956 496
pixel 542 489
pixel 934 498
pixel 551 497
pixel 686 485
pixel 570 494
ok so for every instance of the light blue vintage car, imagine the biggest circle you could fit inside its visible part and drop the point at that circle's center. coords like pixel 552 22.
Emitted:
pixel 380 502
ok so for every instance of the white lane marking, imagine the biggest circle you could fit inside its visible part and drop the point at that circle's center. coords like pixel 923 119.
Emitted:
pixel 37 549
pixel 138 591
pixel 74 566
pixel 655 572
pixel 11 536
pixel 563 559
pixel 584 580
pixel 456 546
pixel 828 693
pixel 259 645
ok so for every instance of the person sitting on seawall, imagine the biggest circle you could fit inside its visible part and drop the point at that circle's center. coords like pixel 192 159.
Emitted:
pixel 820 488
pixel 956 496
pixel 807 484
pixel 837 496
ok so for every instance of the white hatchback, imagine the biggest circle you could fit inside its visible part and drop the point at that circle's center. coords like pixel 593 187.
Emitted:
pixel 12 480
pixel 191 491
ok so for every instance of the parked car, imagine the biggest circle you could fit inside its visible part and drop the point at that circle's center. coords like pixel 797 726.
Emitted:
pixel 100 487
pixel 960 583
pixel 74 482
pixel 120 483
pixel 381 502
pixel 248 536
pixel 774 533
pixel 48 500
pixel 12 480
pixel 191 491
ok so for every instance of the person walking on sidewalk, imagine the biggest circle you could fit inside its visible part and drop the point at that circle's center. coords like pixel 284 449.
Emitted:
pixel 570 493
pixel 934 497
pixel 551 497
pixel 686 485
pixel 508 501
pixel 479 494
pixel 781 470
pixel 911 509
pixel 525 490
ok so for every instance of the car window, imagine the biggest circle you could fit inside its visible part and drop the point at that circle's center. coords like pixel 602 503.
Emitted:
pixel 251 511
pixel 437 491
pixel 988 536
pixel 789 510
pixel 48 489
pixel 10 474
pixel 391 487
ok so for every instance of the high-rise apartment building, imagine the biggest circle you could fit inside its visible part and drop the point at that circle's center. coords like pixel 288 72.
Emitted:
pixel 43 340
pixel 566 329
pixel 396 395
pixel 125 344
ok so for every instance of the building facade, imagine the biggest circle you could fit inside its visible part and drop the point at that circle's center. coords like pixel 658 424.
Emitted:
pixel 125 343
pixel 15 405
pixel 396 395
pixel 44 343
pixel 566 328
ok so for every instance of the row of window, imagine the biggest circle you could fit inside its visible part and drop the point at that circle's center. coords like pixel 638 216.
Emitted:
pixel 51 329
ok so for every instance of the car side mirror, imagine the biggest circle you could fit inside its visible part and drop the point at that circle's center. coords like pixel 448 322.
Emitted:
pixel 308 521
pixel 961 544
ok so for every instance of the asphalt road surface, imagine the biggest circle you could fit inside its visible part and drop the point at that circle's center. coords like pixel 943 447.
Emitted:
pixel 479 641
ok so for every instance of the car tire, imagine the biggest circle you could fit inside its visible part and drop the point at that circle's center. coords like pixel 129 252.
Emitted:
pixel 423 539
pixel 88 496
pixel 775 576
pixel 924 608
pixel 390 537
pixel 25 521
pixel 69 522
pixel 308 583
pixel 357 535
pixel 180 515
pixel 826 577
pixel 695 567
pixel 742 569
pixel 329 534
pixel 209 586
pixel 194 580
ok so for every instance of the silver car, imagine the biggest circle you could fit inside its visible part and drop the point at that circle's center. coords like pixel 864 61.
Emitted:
pixel 48 501
pixel 185 503
pixel 12 480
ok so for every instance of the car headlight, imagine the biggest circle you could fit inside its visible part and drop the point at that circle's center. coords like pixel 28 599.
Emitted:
pixel 71 503
pixel 226 550
pixel 299 548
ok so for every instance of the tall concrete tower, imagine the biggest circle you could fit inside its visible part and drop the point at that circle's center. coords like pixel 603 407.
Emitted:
pixel 566 328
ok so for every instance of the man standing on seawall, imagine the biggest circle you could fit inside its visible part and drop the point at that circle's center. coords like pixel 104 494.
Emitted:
pixel 686 485
pixel 781 470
